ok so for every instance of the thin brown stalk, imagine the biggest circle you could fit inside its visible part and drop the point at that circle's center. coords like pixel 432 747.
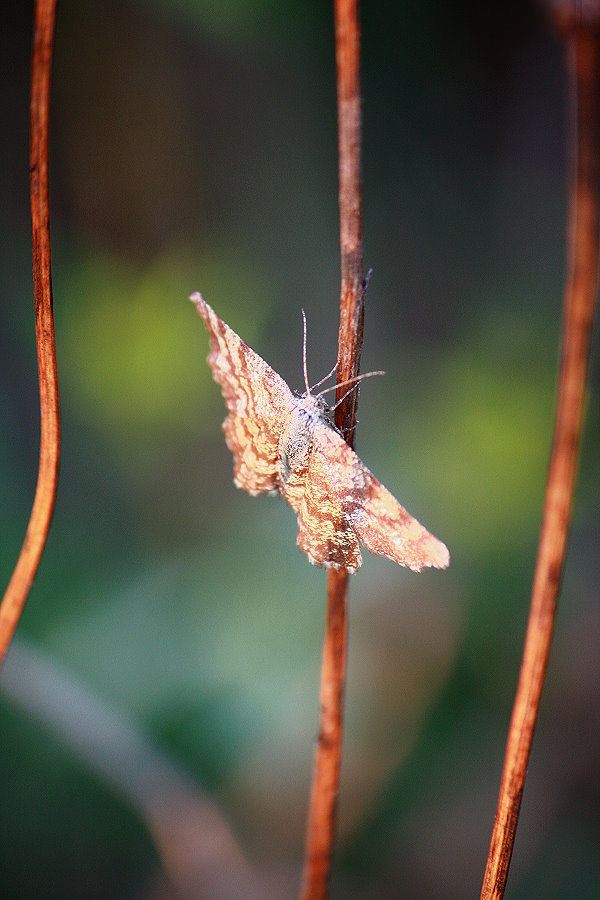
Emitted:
pixel 583 54
pixel 43 504
pixel 321 827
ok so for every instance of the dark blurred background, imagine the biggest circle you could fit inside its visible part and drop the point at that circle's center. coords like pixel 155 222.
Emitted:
pixel 158 710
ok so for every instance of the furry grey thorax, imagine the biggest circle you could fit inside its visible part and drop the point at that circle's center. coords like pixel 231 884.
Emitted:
pixel 296 439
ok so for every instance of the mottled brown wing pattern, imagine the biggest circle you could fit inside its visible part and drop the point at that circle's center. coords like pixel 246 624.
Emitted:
pixel 286 444
pixel 325 531
pixel 258 399
pixel 367 512
pixel 385 527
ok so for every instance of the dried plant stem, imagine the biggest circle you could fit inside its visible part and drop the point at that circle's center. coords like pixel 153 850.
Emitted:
pixel 326 776
pixel 347 54
pixel 583 45
pixel 43 504
pixel 325 787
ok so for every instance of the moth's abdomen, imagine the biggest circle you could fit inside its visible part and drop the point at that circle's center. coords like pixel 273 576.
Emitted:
pixel 295 443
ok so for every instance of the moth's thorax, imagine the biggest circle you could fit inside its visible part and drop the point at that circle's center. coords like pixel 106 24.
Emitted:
pixel 296 438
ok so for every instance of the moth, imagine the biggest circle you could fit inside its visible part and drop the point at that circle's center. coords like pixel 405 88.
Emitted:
pixel 286 444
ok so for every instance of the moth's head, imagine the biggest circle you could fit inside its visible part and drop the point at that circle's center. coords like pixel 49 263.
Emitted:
pixel 315 406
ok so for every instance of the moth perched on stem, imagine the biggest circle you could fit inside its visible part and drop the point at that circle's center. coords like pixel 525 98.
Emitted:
pixel 288 445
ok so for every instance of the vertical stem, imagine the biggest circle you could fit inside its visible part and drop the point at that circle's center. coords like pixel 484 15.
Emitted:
pixel 326 776
pixel 43 504
pixel 347 55
pixel 583 50
pixel 321 827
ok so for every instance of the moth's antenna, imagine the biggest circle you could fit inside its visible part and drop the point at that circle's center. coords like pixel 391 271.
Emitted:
pixel 341 400
pixel 366 280
pixel 353 388
pixel 319 383
pixel 304 355
pixel 349 381
pixel 366 283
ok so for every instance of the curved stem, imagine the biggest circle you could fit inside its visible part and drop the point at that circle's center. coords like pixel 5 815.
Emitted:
pixel 43 504
pixel 583 45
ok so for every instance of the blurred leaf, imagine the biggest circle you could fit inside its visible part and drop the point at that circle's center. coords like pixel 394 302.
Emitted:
pixel 482 446
pixel 132 347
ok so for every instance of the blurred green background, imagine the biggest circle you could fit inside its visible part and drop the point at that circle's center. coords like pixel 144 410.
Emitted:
pixel 158 711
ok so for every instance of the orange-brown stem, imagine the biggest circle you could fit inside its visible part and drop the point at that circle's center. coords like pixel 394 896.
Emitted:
pixel 321 828
pixel 43 503
pixel 326 777
pixel 583 52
